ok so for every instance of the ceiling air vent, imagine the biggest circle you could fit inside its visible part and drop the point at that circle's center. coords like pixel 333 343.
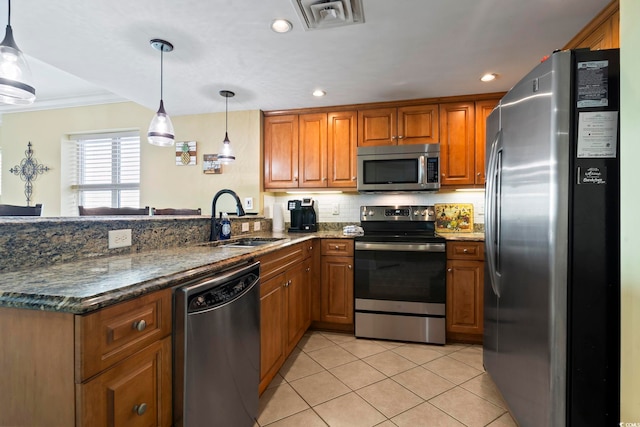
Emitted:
pixel 319 14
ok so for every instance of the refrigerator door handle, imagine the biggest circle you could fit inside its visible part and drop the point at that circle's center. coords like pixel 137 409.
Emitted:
pixel 493 197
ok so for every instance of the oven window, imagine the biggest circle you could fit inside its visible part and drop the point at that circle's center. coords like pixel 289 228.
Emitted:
pixel 401 276
pixel 396 171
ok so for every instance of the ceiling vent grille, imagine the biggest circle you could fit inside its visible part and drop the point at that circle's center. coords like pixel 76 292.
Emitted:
pixel 320 14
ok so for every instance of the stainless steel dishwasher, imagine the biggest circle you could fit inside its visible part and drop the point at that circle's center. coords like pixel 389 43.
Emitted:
pixel 217 349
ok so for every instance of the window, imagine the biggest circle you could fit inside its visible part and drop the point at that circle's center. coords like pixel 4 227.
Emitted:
pixel 108 169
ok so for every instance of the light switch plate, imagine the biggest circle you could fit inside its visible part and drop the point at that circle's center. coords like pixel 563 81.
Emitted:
pixel 119 238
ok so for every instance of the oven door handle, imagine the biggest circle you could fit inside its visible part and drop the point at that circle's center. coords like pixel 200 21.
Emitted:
pixel 404 247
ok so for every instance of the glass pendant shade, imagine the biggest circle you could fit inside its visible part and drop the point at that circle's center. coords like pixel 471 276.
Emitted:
pixel 161 129
pixel 16 83
pixel 226 155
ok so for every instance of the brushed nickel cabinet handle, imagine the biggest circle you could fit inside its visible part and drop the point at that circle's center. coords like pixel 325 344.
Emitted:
pixel 400 137
pixel 349 266
pixel 449 270
pixel 465 250
pixel 140 409
pixel 139 326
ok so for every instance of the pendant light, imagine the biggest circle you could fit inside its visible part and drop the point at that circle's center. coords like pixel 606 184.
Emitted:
pixel 226 155
pixel 16 85
pixel 161 129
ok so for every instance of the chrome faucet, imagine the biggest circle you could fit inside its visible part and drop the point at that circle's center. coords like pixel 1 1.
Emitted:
pixel 215 222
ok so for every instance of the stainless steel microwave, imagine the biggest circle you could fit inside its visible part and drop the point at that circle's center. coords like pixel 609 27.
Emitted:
pixel 399 168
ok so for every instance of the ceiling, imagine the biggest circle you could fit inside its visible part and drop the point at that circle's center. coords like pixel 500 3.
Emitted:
pixel 87 52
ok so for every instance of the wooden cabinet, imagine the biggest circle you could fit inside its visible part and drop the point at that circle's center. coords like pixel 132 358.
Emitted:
pixel 315 150
pixel 336 303
pixel 603 32
pixel 108 367
pixel 285 306
pixel 415 124
pixel 483 109
pixel 465 287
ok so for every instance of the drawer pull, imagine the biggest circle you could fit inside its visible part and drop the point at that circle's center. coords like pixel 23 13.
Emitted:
pixel 140 409
pixel 308 269
pixel 140 325
pixel 449 270
pixel 337 247
pixel 465 250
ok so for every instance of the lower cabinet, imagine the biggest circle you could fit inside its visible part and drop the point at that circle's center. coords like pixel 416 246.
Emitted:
pixel 465 288
pixel 285 306
pixel 336 283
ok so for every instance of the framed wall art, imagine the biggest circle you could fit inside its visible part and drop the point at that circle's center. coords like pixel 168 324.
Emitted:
pixel 185 153
pixel 210 164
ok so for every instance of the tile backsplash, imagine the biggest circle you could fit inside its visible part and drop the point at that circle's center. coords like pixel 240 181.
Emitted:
pixel 346 207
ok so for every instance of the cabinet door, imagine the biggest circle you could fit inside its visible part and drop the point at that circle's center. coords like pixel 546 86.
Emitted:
pixel 135 392
pixel 272 324
pixel 337 290
pixel 312 150
pixel 377 127
pixel 483 109
pixel 418 124
pixel 297 300
pixel 281 151
pixel 342 145
pixel 465 300
pixel 457 143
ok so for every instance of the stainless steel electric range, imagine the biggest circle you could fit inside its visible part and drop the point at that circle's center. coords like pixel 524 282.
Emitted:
pixel 400 275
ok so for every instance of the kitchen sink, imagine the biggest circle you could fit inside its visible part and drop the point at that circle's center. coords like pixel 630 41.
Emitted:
pixel 245 242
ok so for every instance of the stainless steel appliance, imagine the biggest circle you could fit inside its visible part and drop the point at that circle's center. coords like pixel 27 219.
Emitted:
pixel 399 168
pixel 552 291
pixel 400 269
pixel 217 349
pixel 303 215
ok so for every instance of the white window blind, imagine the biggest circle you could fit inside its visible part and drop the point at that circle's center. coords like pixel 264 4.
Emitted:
pixel 108 169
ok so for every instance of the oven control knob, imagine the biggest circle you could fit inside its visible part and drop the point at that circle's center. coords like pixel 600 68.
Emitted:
pixel 416 213
pixel 371 213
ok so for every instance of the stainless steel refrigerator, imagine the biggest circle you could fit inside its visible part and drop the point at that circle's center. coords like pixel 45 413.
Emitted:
pixel 552 281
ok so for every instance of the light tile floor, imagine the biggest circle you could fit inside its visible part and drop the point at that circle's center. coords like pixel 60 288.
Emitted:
pixel 336 380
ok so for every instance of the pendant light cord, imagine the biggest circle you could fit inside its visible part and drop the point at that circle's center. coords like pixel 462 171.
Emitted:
pixel 9 15
pixel 161 69
pixel 226 114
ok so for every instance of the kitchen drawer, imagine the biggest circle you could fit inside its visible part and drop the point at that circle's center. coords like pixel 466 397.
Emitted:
pixel 337 247
pixel 280 261
pixel 135 392
pixel 307 247
pixel 109 335
pixel 465 250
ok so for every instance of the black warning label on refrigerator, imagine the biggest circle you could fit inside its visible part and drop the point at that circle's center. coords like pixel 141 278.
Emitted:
pixel 593 84
pixel 592 175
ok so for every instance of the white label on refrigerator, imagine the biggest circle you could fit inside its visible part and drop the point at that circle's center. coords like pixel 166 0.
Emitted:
pixel 597 134
pixel 593 84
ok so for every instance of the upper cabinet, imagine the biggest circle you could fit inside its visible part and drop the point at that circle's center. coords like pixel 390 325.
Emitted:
pixel 316 150
pixel 603 32
pixel 457 143
pixel 483 109
pixel 415 124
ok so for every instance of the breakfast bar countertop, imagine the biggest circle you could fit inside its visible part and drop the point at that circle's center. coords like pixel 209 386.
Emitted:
pixel 82 286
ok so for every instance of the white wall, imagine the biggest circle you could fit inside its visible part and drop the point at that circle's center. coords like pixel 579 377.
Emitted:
pixel 630 206
pixel 163 184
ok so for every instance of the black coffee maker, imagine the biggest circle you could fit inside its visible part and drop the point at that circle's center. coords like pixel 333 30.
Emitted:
pixel 303 216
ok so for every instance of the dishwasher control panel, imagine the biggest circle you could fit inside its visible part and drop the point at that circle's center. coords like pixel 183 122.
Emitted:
pixel 220 294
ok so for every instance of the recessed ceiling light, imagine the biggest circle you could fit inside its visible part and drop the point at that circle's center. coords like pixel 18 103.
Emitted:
pixel 281 26
pixel 488 77
pixel 319 93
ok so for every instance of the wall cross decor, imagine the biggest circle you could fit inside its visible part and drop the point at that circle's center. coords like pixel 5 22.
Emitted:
pixel 28 171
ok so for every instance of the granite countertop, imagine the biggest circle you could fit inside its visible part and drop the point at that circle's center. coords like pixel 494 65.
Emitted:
pixel 83 286
pixel 475 236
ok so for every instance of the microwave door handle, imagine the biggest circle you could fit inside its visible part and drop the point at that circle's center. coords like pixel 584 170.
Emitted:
pixel 422 175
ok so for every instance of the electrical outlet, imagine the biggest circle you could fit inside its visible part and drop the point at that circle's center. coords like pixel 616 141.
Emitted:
pixel 245 226
pixel 119 238
pixel 256 226
pixel 248 202
pixel 336 209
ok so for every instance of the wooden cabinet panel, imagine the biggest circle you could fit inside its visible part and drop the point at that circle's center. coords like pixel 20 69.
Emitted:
pixel 342 146
pixel 281 151
pixel 297 303
pixel 418 124
pixel 457 143
pixel 377 127
pixel 465 299
pixel 109 335
pixel 337 290
pixel 465 250
pixel 312 150
pixel 337 247
pixel 603 32
pixel 279 261
pixel 272 327
pixel 483 109
pixel 135 392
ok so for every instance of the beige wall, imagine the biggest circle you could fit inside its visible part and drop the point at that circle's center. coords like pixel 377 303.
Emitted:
pixel 630 232
pixel 163 184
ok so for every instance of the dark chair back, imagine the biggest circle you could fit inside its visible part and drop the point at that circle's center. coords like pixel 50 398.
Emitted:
pixel 113 211
pixel 172 211
pixel 11 210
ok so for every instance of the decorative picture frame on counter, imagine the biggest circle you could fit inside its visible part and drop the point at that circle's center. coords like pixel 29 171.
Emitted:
pixel 210 164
